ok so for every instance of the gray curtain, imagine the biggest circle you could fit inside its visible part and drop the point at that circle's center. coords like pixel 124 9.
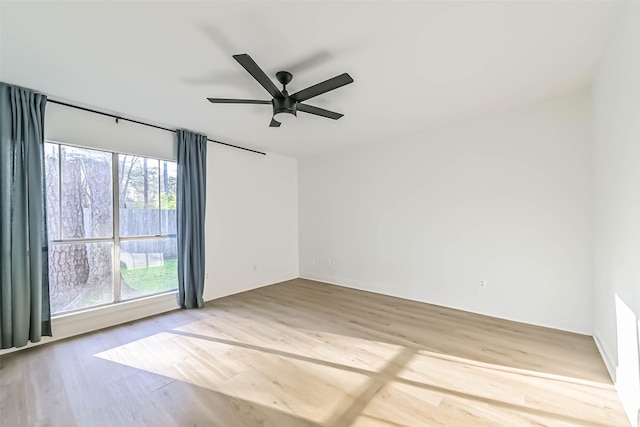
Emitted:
pixel 192 194
pixel 24 280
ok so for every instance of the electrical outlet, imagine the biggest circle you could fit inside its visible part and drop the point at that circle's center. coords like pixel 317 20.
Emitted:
pixel 329 262
pixel 313 261
pixel 482 284
pixel 255 267
pixel 206 276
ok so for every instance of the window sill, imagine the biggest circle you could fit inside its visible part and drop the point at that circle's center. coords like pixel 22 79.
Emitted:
pixel 101 310
pixel 107 314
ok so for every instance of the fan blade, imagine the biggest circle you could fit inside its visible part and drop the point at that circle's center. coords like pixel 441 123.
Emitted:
pixel 257 73
pixel 318 111
pixel 274 124
pixel 237 101
pixel 320 88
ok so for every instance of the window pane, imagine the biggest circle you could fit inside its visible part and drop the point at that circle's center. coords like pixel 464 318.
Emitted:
pixel 169 179
pixel 87 197
pixel 148 267
pixel 52 189
pixel 80 275
pixel 139 185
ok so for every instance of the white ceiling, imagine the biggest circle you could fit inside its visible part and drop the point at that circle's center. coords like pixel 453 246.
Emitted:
pixel 415 64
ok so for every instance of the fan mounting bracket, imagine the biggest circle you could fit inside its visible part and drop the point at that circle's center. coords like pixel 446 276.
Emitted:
pixel 284 77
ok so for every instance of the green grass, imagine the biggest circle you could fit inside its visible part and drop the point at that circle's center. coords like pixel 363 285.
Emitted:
pixel 153 279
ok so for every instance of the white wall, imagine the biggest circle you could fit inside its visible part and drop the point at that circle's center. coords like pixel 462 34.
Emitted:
pixel 504 198
pixel 252 217
pixel 252 220
pixel 616 112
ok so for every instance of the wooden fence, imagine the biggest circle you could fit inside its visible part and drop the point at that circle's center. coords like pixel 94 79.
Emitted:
pixel 144 222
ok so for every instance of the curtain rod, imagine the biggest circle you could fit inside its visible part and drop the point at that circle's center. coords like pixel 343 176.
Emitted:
pixel 145 124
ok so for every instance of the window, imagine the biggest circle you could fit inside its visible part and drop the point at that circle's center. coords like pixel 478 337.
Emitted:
pixel 103 207
pixel 147 226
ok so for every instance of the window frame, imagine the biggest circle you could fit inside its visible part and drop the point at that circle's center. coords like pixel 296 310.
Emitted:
pixel 115 238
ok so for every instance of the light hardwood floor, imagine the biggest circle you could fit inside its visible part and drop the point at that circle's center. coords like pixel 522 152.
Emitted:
pixel 302 353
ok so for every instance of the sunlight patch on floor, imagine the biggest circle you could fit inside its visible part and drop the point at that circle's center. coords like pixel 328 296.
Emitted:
pixel 500 391
pixel 329 347
pixel 308 390
pixel 318 376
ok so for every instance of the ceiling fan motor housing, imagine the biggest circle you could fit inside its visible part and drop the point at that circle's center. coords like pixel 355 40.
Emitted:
pixel 284 105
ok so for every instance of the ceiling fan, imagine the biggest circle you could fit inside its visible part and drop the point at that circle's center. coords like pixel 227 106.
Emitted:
pixel 285 106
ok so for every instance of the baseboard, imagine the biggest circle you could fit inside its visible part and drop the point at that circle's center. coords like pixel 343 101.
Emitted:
pixel 104 317
pixel 82 322
pixel 221 293
pixel 546 321
pixel 326 279
pixel 92 320
pixel 605 357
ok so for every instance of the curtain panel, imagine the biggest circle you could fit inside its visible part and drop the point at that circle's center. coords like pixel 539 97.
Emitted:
pixel 24 281
pixel 192 195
